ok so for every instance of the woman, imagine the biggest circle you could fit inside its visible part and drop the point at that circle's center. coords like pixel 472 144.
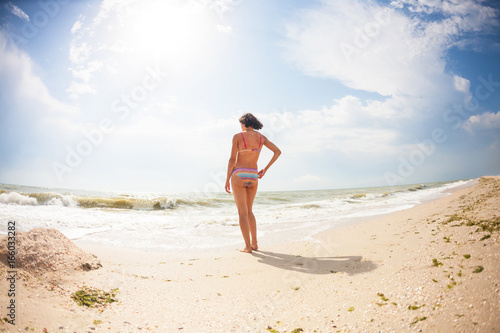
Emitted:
pixel 243 174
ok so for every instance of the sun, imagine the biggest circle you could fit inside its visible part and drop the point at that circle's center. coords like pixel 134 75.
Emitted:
pixel 174 32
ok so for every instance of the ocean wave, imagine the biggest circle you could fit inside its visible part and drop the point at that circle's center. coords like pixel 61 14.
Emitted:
pixel 17 199
pixel 309 206
pixel 361 197
pixel 54 199
pixel 35 199
pixel 127 203
pixel 416 188
pixel 112 202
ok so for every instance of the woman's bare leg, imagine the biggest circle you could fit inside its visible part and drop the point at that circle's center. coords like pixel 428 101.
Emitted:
pixel 251 192
pixel 240 198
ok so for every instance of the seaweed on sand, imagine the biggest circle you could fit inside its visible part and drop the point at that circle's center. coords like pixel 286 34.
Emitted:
pixel 94 297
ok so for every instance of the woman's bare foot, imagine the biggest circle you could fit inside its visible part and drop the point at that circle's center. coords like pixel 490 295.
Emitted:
pixel 246 250
pixel 255 247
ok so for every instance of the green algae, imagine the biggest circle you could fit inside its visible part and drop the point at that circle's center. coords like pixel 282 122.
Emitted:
pixel 417 319
pixel 478 269
pixel 436 263
pixel 382 297
pixel 415 307
pixel 94 297
pixel 485 237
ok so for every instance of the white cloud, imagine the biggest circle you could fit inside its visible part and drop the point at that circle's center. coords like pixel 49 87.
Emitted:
pixel 461 84
pixel 462 18
pixel 107 7
pixel 379 49
pixel 397 4
pixel 225 29
pixel 85 74
pixel 18 12
pixel 77 26
pixel 79 88
pixel 348 126
pixel 365 46
pixel 483 122
pixel 224 5
pixel 79 53
pixel 35 120
pixel 28 89
pixel 473 11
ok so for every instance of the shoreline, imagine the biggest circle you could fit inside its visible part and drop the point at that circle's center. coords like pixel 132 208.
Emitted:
pixel 196 222
pixel 400 272
pixel 104 249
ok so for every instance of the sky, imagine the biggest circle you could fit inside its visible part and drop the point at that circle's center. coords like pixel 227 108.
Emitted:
pixel 145 95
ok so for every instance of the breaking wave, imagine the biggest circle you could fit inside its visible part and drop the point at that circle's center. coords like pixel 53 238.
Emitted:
pixel 120 202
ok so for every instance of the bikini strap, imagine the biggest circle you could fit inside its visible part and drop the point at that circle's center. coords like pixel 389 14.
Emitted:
pixel 244 140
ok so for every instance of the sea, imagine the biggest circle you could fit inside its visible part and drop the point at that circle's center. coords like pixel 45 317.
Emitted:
pixel 201 221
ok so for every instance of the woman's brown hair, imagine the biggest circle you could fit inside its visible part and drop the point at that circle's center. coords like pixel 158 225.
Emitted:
pixel 249 120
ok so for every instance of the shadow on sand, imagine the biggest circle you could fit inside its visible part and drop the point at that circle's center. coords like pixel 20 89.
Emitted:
pixel 315 265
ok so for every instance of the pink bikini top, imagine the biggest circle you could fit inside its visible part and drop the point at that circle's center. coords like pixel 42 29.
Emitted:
pixel 260 144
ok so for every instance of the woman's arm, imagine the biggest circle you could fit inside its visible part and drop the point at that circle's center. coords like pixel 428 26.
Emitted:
pixel 231 163
pixel 277 153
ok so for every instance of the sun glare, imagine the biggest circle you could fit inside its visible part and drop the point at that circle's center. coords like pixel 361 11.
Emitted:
pixel 172 32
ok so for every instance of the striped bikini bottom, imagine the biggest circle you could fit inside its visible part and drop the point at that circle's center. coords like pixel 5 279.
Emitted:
pixel 248 175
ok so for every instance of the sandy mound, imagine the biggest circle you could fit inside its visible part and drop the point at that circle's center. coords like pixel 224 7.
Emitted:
pixel 41 251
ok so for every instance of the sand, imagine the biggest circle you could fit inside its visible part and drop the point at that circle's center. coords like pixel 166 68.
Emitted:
pixel 432 268
pixel 43 252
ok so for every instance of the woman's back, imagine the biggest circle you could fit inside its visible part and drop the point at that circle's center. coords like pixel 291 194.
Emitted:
pixel 249 146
